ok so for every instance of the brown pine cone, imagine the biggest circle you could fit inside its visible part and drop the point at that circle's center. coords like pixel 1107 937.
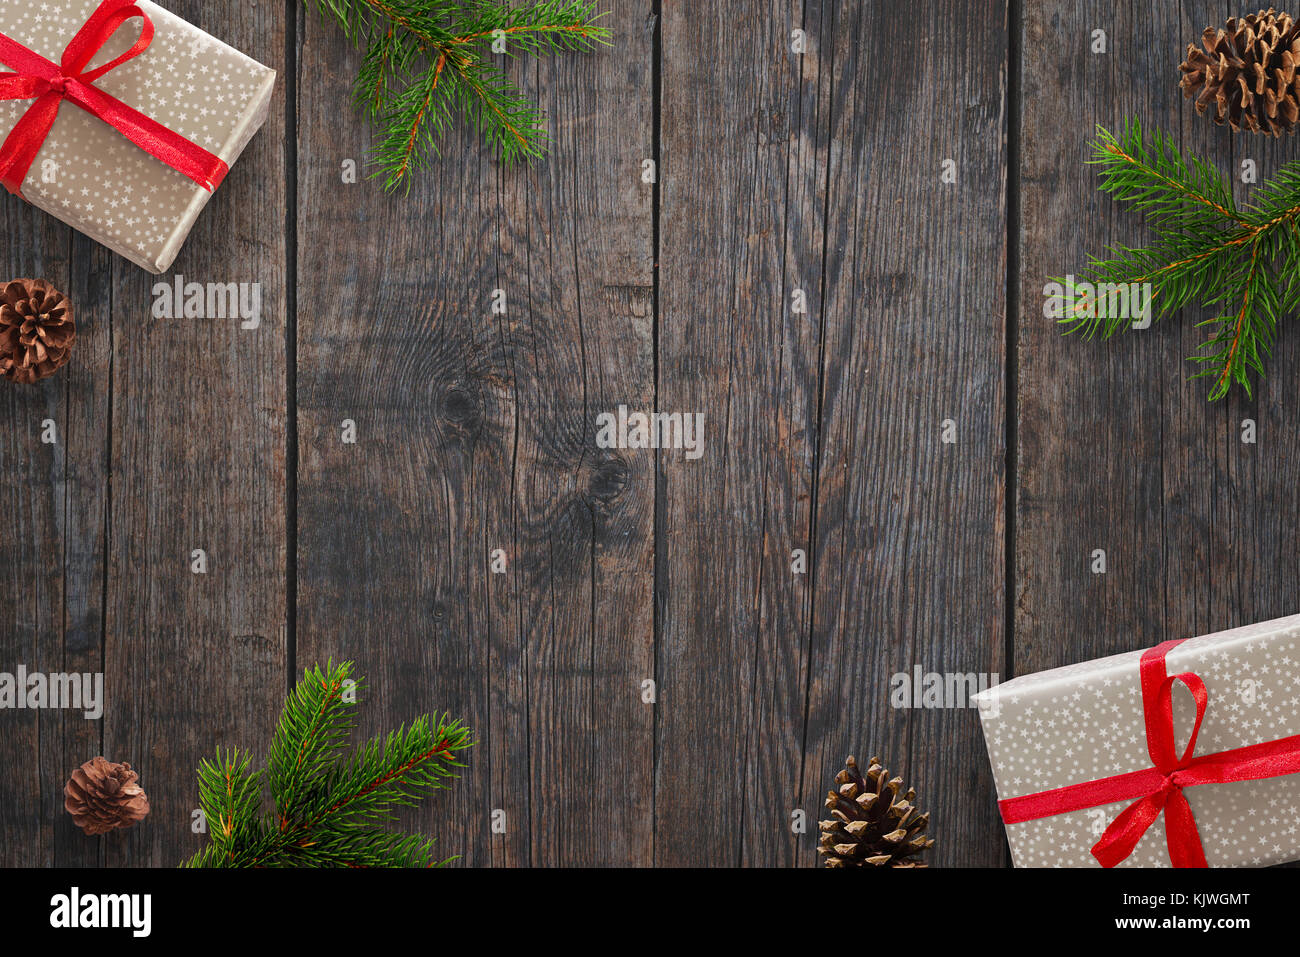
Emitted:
pixel 36 330
pixel 1247 71
pixel 102 796
pixel 874 823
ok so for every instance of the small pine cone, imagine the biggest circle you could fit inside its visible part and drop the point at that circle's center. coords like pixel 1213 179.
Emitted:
pixel 36 330
pixel 874 823
pixel 102 796
pixel 1247 71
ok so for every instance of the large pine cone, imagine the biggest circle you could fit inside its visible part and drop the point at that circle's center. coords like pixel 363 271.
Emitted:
pixel 874 825
pixel 1248 71
pixel 102 796
pixel 36 330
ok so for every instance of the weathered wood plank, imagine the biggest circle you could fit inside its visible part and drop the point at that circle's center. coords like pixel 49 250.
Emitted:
pixel 909 508
pixel 85 502
pixel 198 426
pixel 585 552
pixel 34 478
pixel 475 433
pixel 774 754
pixel 395 339
pixel 740 323
pixel 1091 420
pixel 1202 508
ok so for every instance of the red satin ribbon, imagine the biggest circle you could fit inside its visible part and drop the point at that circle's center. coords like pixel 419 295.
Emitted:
pixel 1160 787
pixel 52 83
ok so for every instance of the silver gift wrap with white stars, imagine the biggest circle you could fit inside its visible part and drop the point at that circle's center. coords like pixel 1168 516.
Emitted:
pixel 1085 722
pixel 90 176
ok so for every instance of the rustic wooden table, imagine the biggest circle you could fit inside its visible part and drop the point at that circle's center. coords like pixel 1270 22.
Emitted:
pixel 948 466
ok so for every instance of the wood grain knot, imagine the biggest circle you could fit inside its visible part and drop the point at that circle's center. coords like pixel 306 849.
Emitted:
pixel 462 411
pixel 607 481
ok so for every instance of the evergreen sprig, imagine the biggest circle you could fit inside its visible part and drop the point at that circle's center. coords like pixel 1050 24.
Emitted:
pixel 1206 250
pixel 423 62
pixel 329 810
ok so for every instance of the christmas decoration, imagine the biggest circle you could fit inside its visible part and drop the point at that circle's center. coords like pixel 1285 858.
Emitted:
pixel 328 808
pixel 1247 72
pixel 36 330
pixel 127 154
pixel 873 823
pixel 102 796
pixel 1245 262
pixel 1118 745
pixel 427 59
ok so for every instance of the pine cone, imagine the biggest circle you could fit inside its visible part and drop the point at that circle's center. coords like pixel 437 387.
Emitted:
pixel 873 825
pixel 102 796
pixel 1248 71
pixel 36 330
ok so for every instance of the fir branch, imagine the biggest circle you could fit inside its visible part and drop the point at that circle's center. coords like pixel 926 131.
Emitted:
pixel 210 857
pixel 367 849
pixel 313 727
pixel 327 809
pixel 378 73
pixel 418 117
pixel 499 113
pixel 550 27
pixel 423 59
pixel 1172 190
pixel 397 770
pixel 1205 251
pixel 1243 339
pixel 1180 269
pixel 230 797
pixel 1277 201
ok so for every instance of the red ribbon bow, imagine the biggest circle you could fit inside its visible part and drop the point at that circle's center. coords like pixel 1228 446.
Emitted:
pixel 1160 787
pixel 52 83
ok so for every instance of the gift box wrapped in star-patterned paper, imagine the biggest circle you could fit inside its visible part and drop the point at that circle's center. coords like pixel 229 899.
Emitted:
pixel 1184 754
pixel 87 173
